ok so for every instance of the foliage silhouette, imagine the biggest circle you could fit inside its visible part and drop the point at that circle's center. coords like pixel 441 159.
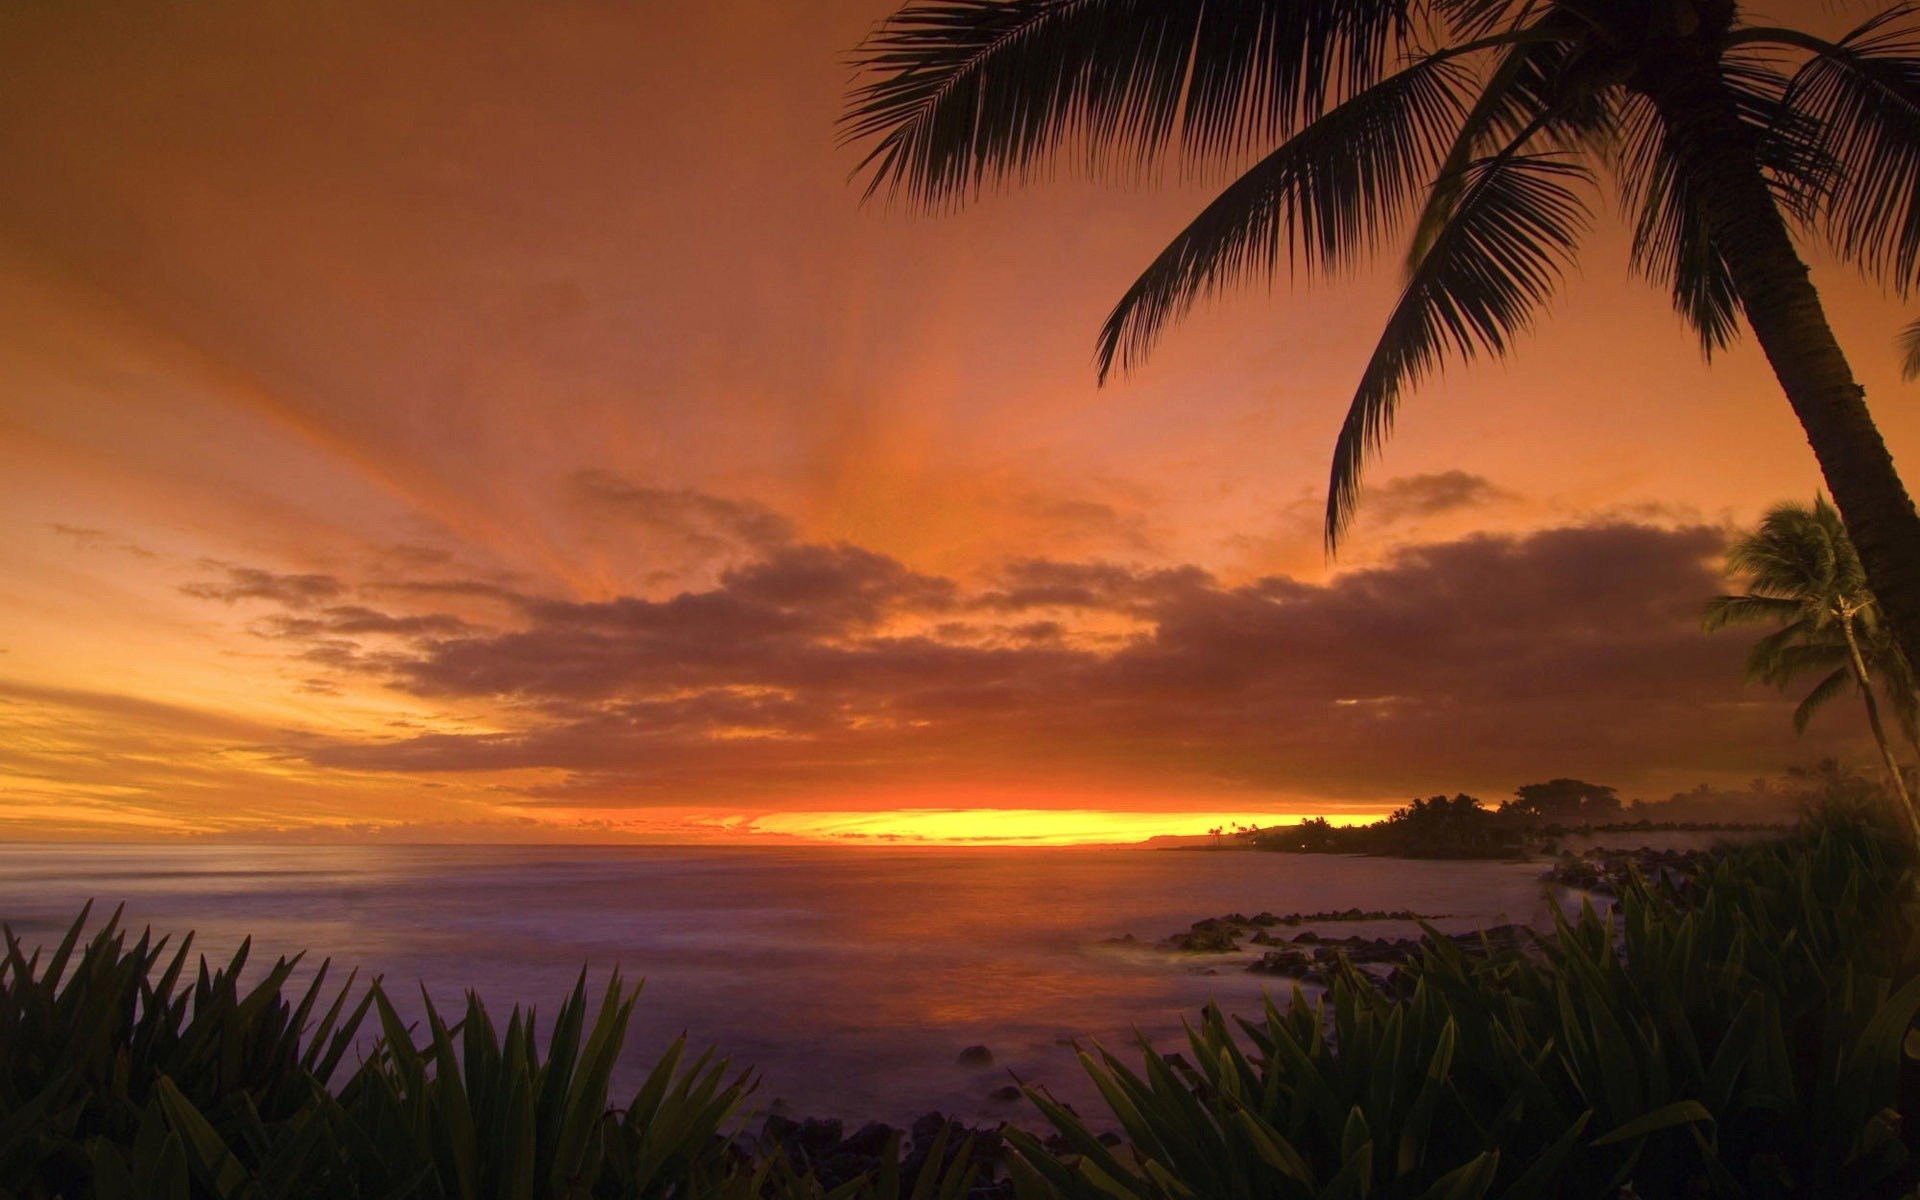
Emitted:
pixel 1471 130
pixel 1803 576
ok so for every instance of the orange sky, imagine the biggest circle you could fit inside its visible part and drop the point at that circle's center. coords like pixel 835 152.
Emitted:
pixel 501 420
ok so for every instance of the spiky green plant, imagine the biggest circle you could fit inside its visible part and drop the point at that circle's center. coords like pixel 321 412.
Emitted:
pixel 122 1077
pixel 1742 1039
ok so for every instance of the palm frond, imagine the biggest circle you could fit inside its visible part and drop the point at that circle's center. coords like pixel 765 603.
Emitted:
pixel 1499 256
pixel 956 93
pixel 1789 654
pixel 1325 196
pixel 1910 352
pixel 1864 95
pixel 1723 611
pixel 1800 551
pixel 1671 242
pixel 1827 690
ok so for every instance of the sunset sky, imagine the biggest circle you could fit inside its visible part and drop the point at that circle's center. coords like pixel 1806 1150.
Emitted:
pixel 502 420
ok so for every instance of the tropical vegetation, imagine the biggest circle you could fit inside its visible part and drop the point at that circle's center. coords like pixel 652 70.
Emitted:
pixel 1738 1034
pixel 1744 1032
pixel 1472 131
pixel 1803 576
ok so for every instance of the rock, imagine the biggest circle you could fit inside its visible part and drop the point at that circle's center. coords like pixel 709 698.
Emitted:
pixel 1396 983
pixel 1307 938
pixel 976 1056
pixel 817 1135
pixel 928 1126
pixel 1212 940
pixel 1009 1092
pixel 1108 1138
pixel 870 1140
pixel 1282 962
pixel 778 1128
pixel 1263 938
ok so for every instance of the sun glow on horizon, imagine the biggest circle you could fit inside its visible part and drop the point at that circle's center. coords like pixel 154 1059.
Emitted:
pixel 1017 826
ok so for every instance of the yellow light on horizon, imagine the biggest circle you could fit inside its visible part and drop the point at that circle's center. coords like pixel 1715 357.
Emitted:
pixel 1015 826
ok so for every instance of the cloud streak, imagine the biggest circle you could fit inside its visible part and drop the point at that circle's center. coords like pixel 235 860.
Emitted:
pixel 814 668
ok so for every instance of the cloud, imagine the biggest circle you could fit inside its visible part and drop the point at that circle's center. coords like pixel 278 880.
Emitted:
pixel 783 619
pixel 99 539
pixel 1416 496
pixel 1474 663
pixel 1080 523
pixel 254 583
pixel 704 521
pixel 354 619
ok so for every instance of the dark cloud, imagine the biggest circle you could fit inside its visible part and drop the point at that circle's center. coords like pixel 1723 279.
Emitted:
pixel 776 620
pixel 1430 495
pixel 353 619
pixel 253 583
pixel 1466 664
pixel 705 522
pixel 1044 583
pixel 1079 522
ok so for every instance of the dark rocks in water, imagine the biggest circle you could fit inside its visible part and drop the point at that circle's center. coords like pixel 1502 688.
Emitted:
pixel 816 1146
pixel 870 1140
pixel 1606 872
pixel 927 1126
pixel 778 1128
pixel 1263 938
pixel 1009 1092
pixel 1397 983
pixel 1496 938
pixel 817 1134
pixel 1122 940
pixel 1282 962
pixel 1207 938
pixel 1309 957
pixel 1108 1138
pixel 976 1056
pixel 1308 938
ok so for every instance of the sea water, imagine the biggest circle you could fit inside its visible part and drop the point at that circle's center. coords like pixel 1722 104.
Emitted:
pixel 848 979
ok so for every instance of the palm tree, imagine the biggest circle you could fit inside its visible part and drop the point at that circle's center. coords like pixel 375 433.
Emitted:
pixel 1475 128
pixel 1804 576
pixel 1910 351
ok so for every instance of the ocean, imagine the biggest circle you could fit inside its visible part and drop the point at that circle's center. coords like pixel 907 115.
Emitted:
pixel 849 979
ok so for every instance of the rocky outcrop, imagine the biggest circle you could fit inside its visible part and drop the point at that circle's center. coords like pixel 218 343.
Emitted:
pixel 836 1158
pixel 1221 935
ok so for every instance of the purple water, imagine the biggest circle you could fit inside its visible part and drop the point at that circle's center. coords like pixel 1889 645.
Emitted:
pixel 850 979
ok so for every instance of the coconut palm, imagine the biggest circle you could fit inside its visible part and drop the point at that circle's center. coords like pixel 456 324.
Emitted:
pixel 1910 351
pixel 1803 575
pixel 1473 131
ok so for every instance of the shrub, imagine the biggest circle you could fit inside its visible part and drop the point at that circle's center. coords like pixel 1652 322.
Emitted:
pixel 1742 1038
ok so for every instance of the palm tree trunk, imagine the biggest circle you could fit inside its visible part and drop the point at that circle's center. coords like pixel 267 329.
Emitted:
pixel 1717 152
pixel 1895 777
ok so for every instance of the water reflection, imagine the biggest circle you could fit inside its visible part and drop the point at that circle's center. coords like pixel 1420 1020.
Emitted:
pixel 849 977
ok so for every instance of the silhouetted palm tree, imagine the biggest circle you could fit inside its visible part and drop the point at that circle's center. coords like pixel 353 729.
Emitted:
pixel 1910 351
pixel 1804 576
pixel 1476 125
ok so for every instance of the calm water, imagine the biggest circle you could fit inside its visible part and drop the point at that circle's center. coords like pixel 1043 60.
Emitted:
pixel 849 978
